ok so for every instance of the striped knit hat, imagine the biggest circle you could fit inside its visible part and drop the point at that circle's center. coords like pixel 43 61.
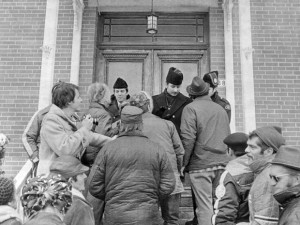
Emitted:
pixel 6 190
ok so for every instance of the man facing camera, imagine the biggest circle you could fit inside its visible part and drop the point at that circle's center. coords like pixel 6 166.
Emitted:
pixel 169 104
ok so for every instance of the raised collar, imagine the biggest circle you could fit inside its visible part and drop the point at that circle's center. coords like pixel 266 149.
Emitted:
pixel 287 196
pixel 260 164
pixel 132 133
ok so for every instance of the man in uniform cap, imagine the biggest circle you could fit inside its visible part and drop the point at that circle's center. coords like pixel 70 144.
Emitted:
pixel 131 173
pixel 71 169
pixel 169 104
pixel 285 181
pixel 231 206
pixel 263 143
pixel 213 80
pixel 118 99
pixel 204 126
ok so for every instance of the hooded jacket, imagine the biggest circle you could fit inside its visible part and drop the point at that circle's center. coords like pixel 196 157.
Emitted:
pixel 59 136
pixel 290 206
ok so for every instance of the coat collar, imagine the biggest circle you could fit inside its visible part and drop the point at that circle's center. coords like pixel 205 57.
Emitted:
pixel 287 196
pixel 205 97
pixel 57 111
pixel 260 164
pixel 132 133
pixel 180 100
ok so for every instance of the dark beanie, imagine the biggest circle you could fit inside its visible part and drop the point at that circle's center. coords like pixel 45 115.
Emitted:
pixel 120 83
pixel 174 76
pixel 6 190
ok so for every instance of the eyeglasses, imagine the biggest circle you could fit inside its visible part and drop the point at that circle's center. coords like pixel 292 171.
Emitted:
pixel 276 178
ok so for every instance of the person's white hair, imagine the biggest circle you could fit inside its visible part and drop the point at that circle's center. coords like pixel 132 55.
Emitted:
pixel 99 92
pixel 150 106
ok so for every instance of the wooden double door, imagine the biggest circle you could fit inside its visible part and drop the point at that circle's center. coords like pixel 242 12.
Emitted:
pixel 147 69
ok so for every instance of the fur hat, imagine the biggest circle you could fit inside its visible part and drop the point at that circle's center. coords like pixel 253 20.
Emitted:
pixel 212 78
pixel 120 83
pixel 6 190
pixel 198 87
pixel 174 76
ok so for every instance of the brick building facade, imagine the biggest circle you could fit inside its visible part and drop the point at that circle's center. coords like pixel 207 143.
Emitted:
pixel 275 53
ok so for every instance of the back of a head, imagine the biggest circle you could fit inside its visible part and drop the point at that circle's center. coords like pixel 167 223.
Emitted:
pixel 98 92
pixel 63 93
pixel 212 78
pixel 142 100
pixel 40 192
pixel 131 119
pixel 237 142
pixel 6 190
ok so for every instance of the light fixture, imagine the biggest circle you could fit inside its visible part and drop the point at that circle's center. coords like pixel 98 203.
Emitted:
pixel 152 22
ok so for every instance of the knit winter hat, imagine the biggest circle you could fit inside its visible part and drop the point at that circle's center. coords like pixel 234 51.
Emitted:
pixel 120 83
pixel 174 76
pixel 6 190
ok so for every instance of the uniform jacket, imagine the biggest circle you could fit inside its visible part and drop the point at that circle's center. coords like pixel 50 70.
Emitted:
pixel 31 136
pixel 130 173
pixel 113 108
pixel 264 209
pixel 222 102
pixel 9 216
pixel 204 126
pixel 231 206
pixel 164 133
pixel 290 206
pixel 59 136
pixel 45 218
pixel 80 212
pixel 160 108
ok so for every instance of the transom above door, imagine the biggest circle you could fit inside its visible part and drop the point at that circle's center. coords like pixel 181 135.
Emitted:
pixel 125 50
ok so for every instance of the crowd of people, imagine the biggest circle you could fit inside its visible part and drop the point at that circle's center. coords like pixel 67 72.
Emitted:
pixel 124 161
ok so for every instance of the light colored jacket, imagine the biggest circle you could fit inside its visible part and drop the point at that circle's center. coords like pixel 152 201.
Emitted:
pixel 60 136
pixel 164 133
pixel 9 216
pixel 264 209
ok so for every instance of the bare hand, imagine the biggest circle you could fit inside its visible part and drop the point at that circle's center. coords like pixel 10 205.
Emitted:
pixel 87 122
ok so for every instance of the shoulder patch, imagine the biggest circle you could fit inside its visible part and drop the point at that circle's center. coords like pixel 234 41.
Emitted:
pixel 220 191
pixel 227 107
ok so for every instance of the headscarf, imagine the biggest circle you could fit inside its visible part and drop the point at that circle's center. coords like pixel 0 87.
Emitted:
pixel 40 192
pixel 270 136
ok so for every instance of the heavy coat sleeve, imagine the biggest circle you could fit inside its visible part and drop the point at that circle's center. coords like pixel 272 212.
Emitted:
pixel 227 204
pixel 188 132
pixel 104 126
pixel 30 137
pixel 177 145
pixel 96 179
pixel 167 177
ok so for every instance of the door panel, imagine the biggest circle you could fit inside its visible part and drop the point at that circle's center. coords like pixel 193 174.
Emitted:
pixel 147 70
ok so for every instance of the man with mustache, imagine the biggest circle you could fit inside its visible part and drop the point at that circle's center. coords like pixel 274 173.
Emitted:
pixel 263 143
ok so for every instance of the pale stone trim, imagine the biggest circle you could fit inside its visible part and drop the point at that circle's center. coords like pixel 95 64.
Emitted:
pixel 247 66
pixel 48 56
pixel 78 7
pixel 229 71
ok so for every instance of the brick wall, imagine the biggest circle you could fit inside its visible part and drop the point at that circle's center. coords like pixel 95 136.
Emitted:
pixel 21 36
pixel 276 62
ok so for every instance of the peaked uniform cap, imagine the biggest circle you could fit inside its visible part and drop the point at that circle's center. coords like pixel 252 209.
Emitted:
pixel 212 78
pixel 237 141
